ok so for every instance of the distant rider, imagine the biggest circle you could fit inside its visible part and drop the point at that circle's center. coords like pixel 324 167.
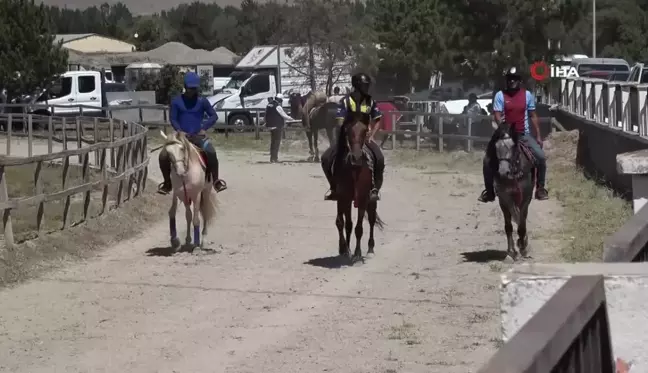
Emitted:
pixel 186 115
pixel 516 106
pixel 357 105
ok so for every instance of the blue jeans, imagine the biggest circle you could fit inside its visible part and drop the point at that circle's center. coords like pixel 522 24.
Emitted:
pixel 538 154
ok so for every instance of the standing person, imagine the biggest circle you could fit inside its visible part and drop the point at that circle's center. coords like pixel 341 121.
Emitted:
pixel 516 106
pixel 473 107
pixel 276 119
pixel 337 96
pixel 357 105
pixel 186 115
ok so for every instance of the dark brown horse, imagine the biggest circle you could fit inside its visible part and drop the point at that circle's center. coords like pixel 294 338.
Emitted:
pixel 354 182
pixel 514 185
pixel 322 117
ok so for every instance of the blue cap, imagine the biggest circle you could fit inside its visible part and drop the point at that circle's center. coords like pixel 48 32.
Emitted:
pixel 191 80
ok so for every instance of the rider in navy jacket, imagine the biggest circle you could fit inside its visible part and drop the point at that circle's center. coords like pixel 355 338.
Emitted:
pixel 187 114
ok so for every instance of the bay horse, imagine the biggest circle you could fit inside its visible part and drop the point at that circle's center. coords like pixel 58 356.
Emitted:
pixel 514 185
pixel 353 184
pixel 321 117
pixel 190 186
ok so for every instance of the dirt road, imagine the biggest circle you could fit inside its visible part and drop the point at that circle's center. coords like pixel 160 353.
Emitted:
pixel 265 301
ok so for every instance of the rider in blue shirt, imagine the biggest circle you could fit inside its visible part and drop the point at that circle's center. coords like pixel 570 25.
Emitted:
pixel 187 114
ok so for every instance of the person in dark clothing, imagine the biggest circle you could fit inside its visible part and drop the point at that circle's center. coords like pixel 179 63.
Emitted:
pixel 357 105
pixel 186 115
pixel 516 106
pixel 276 119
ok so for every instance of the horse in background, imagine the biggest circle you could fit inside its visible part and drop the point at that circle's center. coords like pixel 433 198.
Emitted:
pixel 514 184
pixel 353 183
pixel 320 117
pixel 190 185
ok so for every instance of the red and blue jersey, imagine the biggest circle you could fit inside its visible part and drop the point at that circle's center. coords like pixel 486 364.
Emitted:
pixel 515 108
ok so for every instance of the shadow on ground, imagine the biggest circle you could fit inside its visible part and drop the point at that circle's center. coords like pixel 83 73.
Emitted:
pixel 187 248
pixel 484 256
pixel 330 262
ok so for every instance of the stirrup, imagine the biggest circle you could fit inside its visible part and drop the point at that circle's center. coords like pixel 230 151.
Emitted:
pixel 330 196
pixel 163 190
pixel 220 185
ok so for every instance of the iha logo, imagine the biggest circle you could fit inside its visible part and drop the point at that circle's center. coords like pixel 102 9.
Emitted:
pixel 541 71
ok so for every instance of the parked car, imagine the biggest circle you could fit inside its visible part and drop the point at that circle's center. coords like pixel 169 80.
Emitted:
pixel 638 74
pixel 613 76
pixel 584 65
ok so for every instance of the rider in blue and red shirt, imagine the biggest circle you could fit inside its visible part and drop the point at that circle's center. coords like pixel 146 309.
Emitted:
pixel 516 106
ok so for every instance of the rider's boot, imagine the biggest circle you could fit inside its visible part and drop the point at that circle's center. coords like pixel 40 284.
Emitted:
pixel 165 168
pixel 212 161
pixel 541 193
pixel 488 195
pixel 374 195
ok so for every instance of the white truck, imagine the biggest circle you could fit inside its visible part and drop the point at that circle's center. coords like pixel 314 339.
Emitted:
pixel 254 81
pixel 73 88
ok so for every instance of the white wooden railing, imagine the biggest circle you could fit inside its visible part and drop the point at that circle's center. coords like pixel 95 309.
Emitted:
pixel 619 105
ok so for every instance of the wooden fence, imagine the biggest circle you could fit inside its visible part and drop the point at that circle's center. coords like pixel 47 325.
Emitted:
pixel 117 149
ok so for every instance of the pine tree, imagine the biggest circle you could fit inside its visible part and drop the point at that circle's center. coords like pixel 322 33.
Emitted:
pixel 29 58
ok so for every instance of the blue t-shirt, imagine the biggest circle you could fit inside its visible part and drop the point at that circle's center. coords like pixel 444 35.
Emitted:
pixel 498 105
pixel 190 119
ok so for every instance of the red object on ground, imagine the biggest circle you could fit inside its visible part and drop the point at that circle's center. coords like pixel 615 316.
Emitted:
pixel 388 109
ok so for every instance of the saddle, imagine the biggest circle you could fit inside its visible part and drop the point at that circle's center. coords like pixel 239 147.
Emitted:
pixel 366 150
pixel 203 161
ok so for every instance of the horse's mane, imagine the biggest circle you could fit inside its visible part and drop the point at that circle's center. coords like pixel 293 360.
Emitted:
pixel 190 149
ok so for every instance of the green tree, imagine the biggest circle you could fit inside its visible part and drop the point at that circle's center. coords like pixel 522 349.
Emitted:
pixel 29 59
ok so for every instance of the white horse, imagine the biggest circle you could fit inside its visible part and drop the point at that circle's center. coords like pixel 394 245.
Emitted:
pixel 191 187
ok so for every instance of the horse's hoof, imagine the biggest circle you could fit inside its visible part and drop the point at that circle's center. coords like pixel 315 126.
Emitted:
pixel 357 258
pixel 188 241
pixel 175 244
pixel 316 159
pixel 198 250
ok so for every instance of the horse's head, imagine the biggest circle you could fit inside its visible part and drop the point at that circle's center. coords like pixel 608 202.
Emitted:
pixel 506 156
pixel 176 146
pixel 356 136
pixel 295 100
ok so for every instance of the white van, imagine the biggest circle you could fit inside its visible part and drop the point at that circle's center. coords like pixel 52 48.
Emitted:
pixel 71 89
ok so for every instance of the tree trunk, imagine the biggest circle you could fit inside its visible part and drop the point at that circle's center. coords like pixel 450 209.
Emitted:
pixel 311 61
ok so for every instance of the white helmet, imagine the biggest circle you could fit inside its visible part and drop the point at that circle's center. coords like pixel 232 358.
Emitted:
pixel 279 96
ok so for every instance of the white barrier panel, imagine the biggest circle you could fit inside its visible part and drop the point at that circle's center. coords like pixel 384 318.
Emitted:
pixel 619 105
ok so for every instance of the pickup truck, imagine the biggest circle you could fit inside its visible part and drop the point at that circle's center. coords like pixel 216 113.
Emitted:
pixel 71 89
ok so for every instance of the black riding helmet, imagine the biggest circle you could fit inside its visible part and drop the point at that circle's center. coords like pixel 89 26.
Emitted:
pixel 361 82
pixel 513 79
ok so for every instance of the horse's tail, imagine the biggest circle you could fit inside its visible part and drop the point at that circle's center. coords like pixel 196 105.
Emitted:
pixel 209 206
pixel 379 222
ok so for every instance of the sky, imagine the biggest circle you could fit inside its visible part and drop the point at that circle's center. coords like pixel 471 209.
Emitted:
pixel 135 6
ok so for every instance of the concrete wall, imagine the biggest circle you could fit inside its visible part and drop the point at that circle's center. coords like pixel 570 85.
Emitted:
pixel 598 147
pixel 138 98
pixel 527 287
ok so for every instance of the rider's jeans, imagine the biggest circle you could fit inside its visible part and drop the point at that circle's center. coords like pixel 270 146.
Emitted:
pixel 539 155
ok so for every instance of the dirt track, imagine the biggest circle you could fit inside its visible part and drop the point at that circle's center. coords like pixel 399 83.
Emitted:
pixel 257 306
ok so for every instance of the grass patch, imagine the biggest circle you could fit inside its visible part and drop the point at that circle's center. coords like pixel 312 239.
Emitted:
pixel 434 162
pixel 21 184
pixel 591 211
pixel 50 251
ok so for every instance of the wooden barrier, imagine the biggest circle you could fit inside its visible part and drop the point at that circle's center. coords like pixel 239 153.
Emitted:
pixel 99 137
pixel 570 334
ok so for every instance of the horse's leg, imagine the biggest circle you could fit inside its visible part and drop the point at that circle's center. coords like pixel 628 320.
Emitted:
pixel 205 197
pixel 357 255
pixel 188 216
pixel 372 214
pixel 309 135
pixel 330 133
pixel 175 242
pixel 508 228
pixel 196 223
pixel 348 224
pixel 523 238
pixel 316 157
pixel 339 223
